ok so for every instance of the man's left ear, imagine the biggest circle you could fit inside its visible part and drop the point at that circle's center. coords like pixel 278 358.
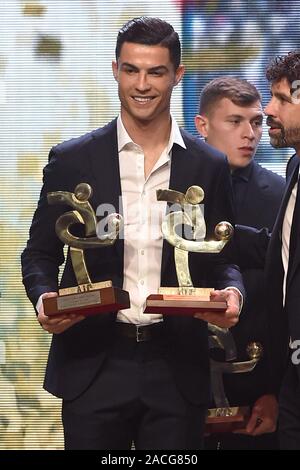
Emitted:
pixel 114 66
pixel 201 124
pixel 179 74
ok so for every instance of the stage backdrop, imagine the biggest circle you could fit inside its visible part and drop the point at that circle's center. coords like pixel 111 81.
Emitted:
pixel 56 83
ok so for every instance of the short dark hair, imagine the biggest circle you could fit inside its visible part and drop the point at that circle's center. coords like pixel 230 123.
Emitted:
pixel 284 66
pixel 152 32
pixel 239 90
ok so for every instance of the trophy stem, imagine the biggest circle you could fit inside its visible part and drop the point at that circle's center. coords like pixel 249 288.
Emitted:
pixel 79 266
pixel 217 385
pixel 182 268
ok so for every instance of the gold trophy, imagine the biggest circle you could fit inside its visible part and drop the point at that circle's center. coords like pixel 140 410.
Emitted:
pixel 187 299
pixel 226 418
pixel 87 298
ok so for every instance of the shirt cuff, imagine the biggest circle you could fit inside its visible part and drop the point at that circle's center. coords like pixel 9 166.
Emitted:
pixel 39 303
pixel 241 298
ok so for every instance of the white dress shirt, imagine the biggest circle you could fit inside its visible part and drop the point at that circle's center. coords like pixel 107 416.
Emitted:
pixel 286 233
pixel 143 215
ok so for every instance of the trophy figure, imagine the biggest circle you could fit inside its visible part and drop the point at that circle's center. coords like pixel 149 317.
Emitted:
pixel 226 418
pixel 187 299
pixel 86 298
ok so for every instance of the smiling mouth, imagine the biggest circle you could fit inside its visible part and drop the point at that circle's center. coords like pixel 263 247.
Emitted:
pixel 142 99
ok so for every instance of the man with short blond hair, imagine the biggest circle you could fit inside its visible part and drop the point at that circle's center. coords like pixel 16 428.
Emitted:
pixel 230 119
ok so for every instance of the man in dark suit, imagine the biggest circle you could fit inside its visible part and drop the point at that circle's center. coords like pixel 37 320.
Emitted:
pixel 230 120
pixel 283 257
pixel 125 376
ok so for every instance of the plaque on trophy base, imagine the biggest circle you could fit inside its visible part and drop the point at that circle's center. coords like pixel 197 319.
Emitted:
pixel 87 298
pixel 182 301
pixel 100 297
pixel 226 420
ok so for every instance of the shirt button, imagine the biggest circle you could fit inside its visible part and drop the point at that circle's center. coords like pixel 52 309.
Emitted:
pixel 142 282
pixel 142 252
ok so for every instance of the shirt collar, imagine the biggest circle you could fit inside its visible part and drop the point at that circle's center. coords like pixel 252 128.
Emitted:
pixel 124 139
pixel 243 173
pixel 175 136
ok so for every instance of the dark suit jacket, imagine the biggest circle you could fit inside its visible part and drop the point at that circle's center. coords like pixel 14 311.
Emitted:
pixel 76 355
pixel 284 323
pixel 258 208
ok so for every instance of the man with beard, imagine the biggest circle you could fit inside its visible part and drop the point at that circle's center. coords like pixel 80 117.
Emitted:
pixel 283 258
pixel 230 119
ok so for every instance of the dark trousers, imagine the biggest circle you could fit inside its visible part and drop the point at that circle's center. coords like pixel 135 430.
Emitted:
pixel 289 410
pixel 241 442
pixel 133 399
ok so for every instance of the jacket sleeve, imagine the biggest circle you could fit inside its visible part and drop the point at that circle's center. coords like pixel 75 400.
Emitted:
pixel 223 272
pixel 43 253
pixel 252 245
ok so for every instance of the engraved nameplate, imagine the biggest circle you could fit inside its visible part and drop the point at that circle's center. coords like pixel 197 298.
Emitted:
pixel 78 300
pixel 223 412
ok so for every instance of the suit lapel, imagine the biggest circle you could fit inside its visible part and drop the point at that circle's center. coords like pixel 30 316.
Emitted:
pixel 296 254
pixel 259 175
pixel 274 263
pixel 104 160
pixel 105 165
pixel 290 184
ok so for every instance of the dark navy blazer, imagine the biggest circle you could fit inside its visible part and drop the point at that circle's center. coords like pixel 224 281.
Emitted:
pixel 76 355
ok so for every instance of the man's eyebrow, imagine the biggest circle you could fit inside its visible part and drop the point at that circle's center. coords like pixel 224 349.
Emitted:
pixel 279 94
pixel 258 116
pixel 235 116
pixel 128 65
pixel 158 68
pixel 239 116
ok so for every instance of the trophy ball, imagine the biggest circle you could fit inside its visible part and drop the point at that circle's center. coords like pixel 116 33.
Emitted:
pixel 194 195
pixel 224 231
pixel 254 350
pixel 83 191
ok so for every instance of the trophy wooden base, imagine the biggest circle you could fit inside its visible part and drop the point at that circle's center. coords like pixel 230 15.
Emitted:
pixel 96 298
pixel 226 420
pixel 170 301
